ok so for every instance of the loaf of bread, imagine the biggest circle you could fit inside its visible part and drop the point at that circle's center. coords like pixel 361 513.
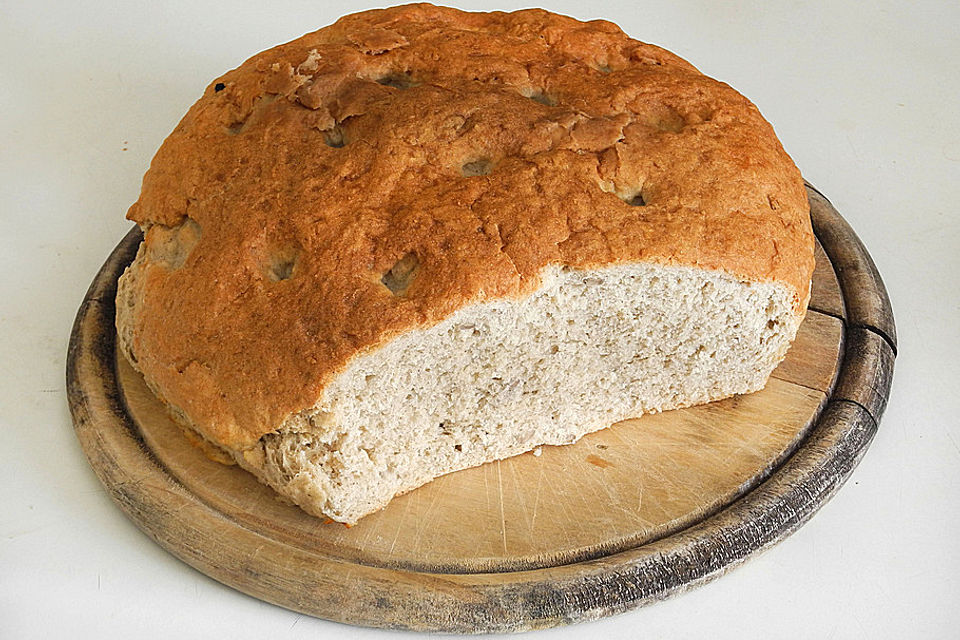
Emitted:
pixel 421 239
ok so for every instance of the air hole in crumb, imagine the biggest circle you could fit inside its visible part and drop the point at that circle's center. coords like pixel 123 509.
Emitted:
pixel 397 81
pixel 334 137
pixel 458 447
pixel 219 87
pixel 401 274
pixel 636 200
pixel 480 167
pixel 236 127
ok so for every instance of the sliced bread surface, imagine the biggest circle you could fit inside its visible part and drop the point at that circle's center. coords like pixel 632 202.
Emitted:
pixel 493 380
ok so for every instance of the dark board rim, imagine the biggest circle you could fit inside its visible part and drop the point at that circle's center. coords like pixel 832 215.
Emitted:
pixel 511 601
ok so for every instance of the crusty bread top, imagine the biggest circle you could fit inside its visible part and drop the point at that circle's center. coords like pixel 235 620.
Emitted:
pixel 376 175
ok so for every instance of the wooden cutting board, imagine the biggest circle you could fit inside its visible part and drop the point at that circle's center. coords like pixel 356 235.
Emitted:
pixel 628 515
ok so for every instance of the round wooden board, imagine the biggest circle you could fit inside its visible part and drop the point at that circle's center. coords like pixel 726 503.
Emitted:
pixel 626 516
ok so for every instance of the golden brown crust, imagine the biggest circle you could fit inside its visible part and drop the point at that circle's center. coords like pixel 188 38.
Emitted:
pixel 316 166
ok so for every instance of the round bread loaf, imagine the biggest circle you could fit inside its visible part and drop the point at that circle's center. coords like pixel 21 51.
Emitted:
pixel 420 239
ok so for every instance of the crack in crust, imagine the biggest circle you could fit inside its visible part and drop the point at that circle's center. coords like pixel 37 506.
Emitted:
pixel 351 144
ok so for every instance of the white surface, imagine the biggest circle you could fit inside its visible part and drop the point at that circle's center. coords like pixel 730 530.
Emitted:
pixel 863 96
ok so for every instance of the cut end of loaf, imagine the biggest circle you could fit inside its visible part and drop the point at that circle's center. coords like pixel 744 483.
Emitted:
pixel 588 349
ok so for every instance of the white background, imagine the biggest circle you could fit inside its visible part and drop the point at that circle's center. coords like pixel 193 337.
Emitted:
pixel 864 97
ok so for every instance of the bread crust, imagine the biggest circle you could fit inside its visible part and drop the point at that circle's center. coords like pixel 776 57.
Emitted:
pixel 484 145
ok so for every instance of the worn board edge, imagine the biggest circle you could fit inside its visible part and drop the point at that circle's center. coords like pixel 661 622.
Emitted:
pixel 470 603
pixel 865 295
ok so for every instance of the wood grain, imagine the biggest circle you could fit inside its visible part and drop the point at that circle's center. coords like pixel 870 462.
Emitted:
pixel 813 360
pixel 629 515
pixel 825 294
